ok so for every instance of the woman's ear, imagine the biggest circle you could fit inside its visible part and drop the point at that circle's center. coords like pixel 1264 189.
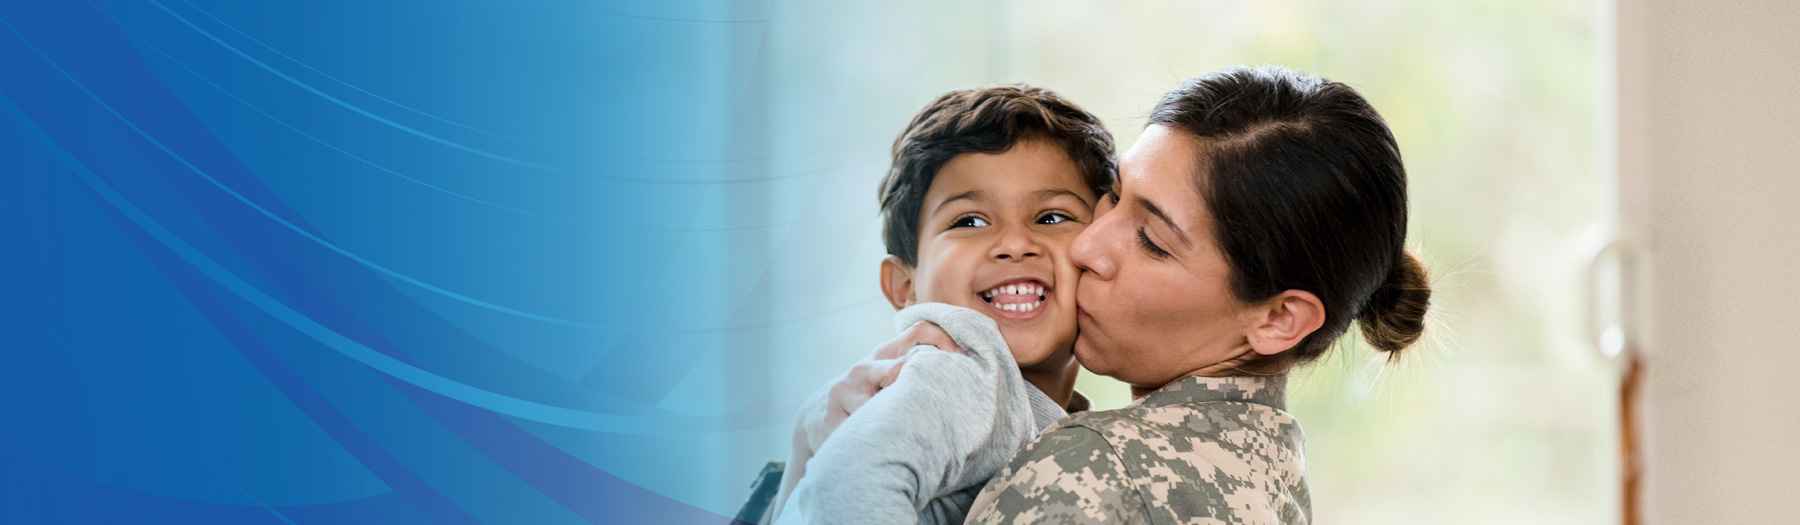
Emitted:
pixel 1281 322
pixel 897 282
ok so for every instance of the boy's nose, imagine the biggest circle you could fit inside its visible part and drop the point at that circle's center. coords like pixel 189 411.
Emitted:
pixel 1016 244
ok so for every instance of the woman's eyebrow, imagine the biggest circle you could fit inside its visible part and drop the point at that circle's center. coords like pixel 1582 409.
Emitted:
pixel 1158 212
pixel 972 195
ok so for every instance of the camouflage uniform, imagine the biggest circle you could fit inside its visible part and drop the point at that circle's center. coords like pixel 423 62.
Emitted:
pixel 1199 450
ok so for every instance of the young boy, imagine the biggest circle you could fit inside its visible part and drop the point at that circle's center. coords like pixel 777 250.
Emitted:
pixel 987 190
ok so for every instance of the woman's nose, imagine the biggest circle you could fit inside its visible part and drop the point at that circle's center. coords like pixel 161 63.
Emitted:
pixel 1089 252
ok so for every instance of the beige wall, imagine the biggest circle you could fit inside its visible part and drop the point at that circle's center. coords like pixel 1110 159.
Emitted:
pixel 1717 141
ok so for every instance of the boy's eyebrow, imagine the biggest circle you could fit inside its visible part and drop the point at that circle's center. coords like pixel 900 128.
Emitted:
pixel 1158 212
pixel 1044 195
pixel 973 195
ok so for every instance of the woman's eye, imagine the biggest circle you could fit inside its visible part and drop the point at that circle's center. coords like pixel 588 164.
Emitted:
pixel 1149 246
pixel 1054 218
pixel 969 222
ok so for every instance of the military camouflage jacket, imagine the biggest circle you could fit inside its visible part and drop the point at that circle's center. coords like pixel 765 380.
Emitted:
pixel 1199 450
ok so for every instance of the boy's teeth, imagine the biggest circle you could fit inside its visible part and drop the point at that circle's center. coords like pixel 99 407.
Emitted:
pixel 1011 289
pixel 1033 289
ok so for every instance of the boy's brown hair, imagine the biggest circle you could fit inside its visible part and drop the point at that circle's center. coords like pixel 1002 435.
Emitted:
pixel 984 120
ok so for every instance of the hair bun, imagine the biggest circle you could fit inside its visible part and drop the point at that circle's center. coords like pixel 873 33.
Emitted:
pixel 1394 318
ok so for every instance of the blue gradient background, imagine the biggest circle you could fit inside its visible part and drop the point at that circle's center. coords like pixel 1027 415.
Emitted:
pixel 406 262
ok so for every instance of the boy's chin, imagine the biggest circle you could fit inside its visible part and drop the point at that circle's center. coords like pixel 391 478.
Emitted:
pixel 1033 349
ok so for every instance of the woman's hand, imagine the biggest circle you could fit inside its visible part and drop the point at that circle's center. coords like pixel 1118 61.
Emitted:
pixel 827 407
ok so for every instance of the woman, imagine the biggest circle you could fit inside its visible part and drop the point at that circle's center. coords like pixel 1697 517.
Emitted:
pixel 1259 214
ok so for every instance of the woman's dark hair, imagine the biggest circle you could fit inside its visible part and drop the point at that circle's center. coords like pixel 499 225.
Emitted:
pixel 1307 192
pixel 984 120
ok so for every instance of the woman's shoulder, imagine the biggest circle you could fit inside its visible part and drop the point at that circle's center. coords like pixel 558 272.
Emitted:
pixel 1196 441
pixel 1069 474
pixel 1107 436
pixel 1214 420
pixel 1068 437
pixel 1218 419
pixel 1160 461
pixel 1187 462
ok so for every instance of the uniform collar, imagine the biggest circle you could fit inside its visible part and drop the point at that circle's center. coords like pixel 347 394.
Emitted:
pixel 1044 410
pixel 1262 390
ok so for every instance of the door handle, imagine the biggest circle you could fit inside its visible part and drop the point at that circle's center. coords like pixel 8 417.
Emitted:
pixel 1612 326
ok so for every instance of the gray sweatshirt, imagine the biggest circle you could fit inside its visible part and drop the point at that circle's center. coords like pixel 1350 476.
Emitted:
pixel 920 449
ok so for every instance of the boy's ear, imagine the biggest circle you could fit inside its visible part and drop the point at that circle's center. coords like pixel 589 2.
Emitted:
pixel 1281 322
pixel 897 282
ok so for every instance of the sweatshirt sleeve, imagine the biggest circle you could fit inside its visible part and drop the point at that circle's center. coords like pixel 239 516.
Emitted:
pixel 947 423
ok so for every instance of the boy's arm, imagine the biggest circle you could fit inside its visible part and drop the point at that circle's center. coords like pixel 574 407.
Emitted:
pixel 949 421
pixel 827 407
pixel 903 448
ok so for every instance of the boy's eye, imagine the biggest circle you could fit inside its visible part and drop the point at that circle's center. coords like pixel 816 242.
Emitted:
pixel 1054 218
pixel 969 222
pixel 1150 246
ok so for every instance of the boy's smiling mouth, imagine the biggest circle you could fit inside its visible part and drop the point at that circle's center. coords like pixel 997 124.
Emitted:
pixel 1020 299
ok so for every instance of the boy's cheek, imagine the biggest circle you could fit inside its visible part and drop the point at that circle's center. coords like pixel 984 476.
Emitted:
pixel 969 302
pixel 951 294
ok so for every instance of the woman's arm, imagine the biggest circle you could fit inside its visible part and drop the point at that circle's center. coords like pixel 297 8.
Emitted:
pixel 1068 475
